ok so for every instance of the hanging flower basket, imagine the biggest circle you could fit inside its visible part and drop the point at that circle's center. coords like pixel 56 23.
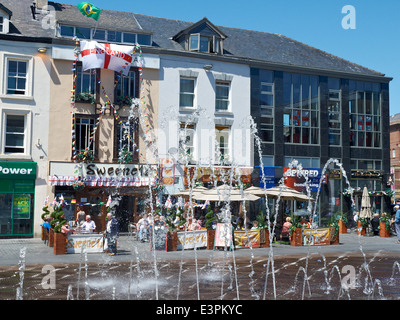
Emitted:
pixel 85 156
pixel 78 185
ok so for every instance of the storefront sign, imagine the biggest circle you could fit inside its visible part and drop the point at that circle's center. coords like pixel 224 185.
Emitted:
pixel 167 171
pixel 219 173
pixel 93 243
pixel 17 170
pixel 223 235
pixel 192 239
pixel 102 174
pixel 366 174
pixel 296 178
pixel 245 239
pixel 269 177
pixel 316 237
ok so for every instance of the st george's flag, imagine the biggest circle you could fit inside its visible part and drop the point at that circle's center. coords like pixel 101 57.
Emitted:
pixel 106 56
pixel 89 10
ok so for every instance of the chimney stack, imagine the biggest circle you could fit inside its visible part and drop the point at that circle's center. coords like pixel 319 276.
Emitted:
pixel 40 4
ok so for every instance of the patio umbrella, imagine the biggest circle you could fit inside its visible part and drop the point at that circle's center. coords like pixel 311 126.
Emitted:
pixel 186 193
pixel 285 193
pixel 365 212
pixel 225 193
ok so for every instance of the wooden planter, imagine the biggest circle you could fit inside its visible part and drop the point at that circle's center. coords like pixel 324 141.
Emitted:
pixel 334 237
pixel 264 238
pixel 296 238
pixel 51 237
pixel 210 239
pixel 363 230
pixel 172 244
pixel 342 227
pixel 60 243
pixel 383 232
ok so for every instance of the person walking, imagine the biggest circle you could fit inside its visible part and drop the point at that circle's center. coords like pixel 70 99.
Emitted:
pixel 396 222
pixel 112 232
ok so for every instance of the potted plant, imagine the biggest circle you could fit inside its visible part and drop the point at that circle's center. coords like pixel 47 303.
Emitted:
pixel 86 97
pixel 78 185
pixel 296 232
pixel 334 229
pixel 362 224
pixel 86 156
pixel 343 222
pixel 384 225
pixel 60 239
pixel 210 219
pixel 263 228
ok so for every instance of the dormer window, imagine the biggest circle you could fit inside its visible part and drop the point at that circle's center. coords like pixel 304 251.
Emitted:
pixel 202 36
pixel 200 43
pixel 5 16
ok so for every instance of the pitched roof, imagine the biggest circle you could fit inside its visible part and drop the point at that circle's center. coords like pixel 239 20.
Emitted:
pixel 239 43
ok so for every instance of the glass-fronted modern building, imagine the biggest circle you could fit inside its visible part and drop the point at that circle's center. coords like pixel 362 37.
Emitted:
pixel 318 116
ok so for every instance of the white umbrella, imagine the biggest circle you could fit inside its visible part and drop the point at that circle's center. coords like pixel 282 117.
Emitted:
pixel 284 192
pixel 225 193
pixel 365 212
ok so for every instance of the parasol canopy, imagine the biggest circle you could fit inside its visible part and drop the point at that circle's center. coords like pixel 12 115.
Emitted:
pixel 225 193
pixel 284 192
pixel 365 211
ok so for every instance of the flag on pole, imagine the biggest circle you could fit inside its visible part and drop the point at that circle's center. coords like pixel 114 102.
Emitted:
pixel 46 201
pixel 62 201
pixel 205 204
pixel 108 201
pixel 106 56
pixel 89 10
pixel 168 203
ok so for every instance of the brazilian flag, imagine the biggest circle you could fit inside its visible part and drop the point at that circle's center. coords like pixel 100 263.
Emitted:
pixel 89 10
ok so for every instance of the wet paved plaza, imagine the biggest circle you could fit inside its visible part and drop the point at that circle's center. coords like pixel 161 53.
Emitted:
pixel 357 269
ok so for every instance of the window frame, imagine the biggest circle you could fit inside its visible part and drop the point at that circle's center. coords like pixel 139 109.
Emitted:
pixel 187 93
pixel 338 121
pixel 106 35
pixel 94 91
pixel 358 120
pixel 299 111
pixel 118 98
pixel 223 132
pixel 28 94
pixel 27 114
pixel 183 148
pixel 223 99
pixel 95 143
pixel 135 140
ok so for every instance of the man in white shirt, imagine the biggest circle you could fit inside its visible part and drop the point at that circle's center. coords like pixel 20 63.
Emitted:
pixel 143 225
pixel 88 225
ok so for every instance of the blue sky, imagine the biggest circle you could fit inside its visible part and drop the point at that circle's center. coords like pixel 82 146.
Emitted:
pixel 374 43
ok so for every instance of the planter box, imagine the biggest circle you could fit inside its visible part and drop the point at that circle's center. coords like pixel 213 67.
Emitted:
pixel 60 243
pixel 51 237
pixel 172 241
pixel 342 227
pixel 264 237
pixel 383 232
pixel 210 239
pixel 296 239
pixel 363 230
pixel 334 237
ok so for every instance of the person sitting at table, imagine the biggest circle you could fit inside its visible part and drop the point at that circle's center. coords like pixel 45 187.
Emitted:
pixel 285 229
pixel 305 223
pixel 65 228
pixel 255 225
pixel 46 223
pixel 88 225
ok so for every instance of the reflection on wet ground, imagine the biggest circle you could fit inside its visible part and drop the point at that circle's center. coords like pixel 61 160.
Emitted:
pixel 344 276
